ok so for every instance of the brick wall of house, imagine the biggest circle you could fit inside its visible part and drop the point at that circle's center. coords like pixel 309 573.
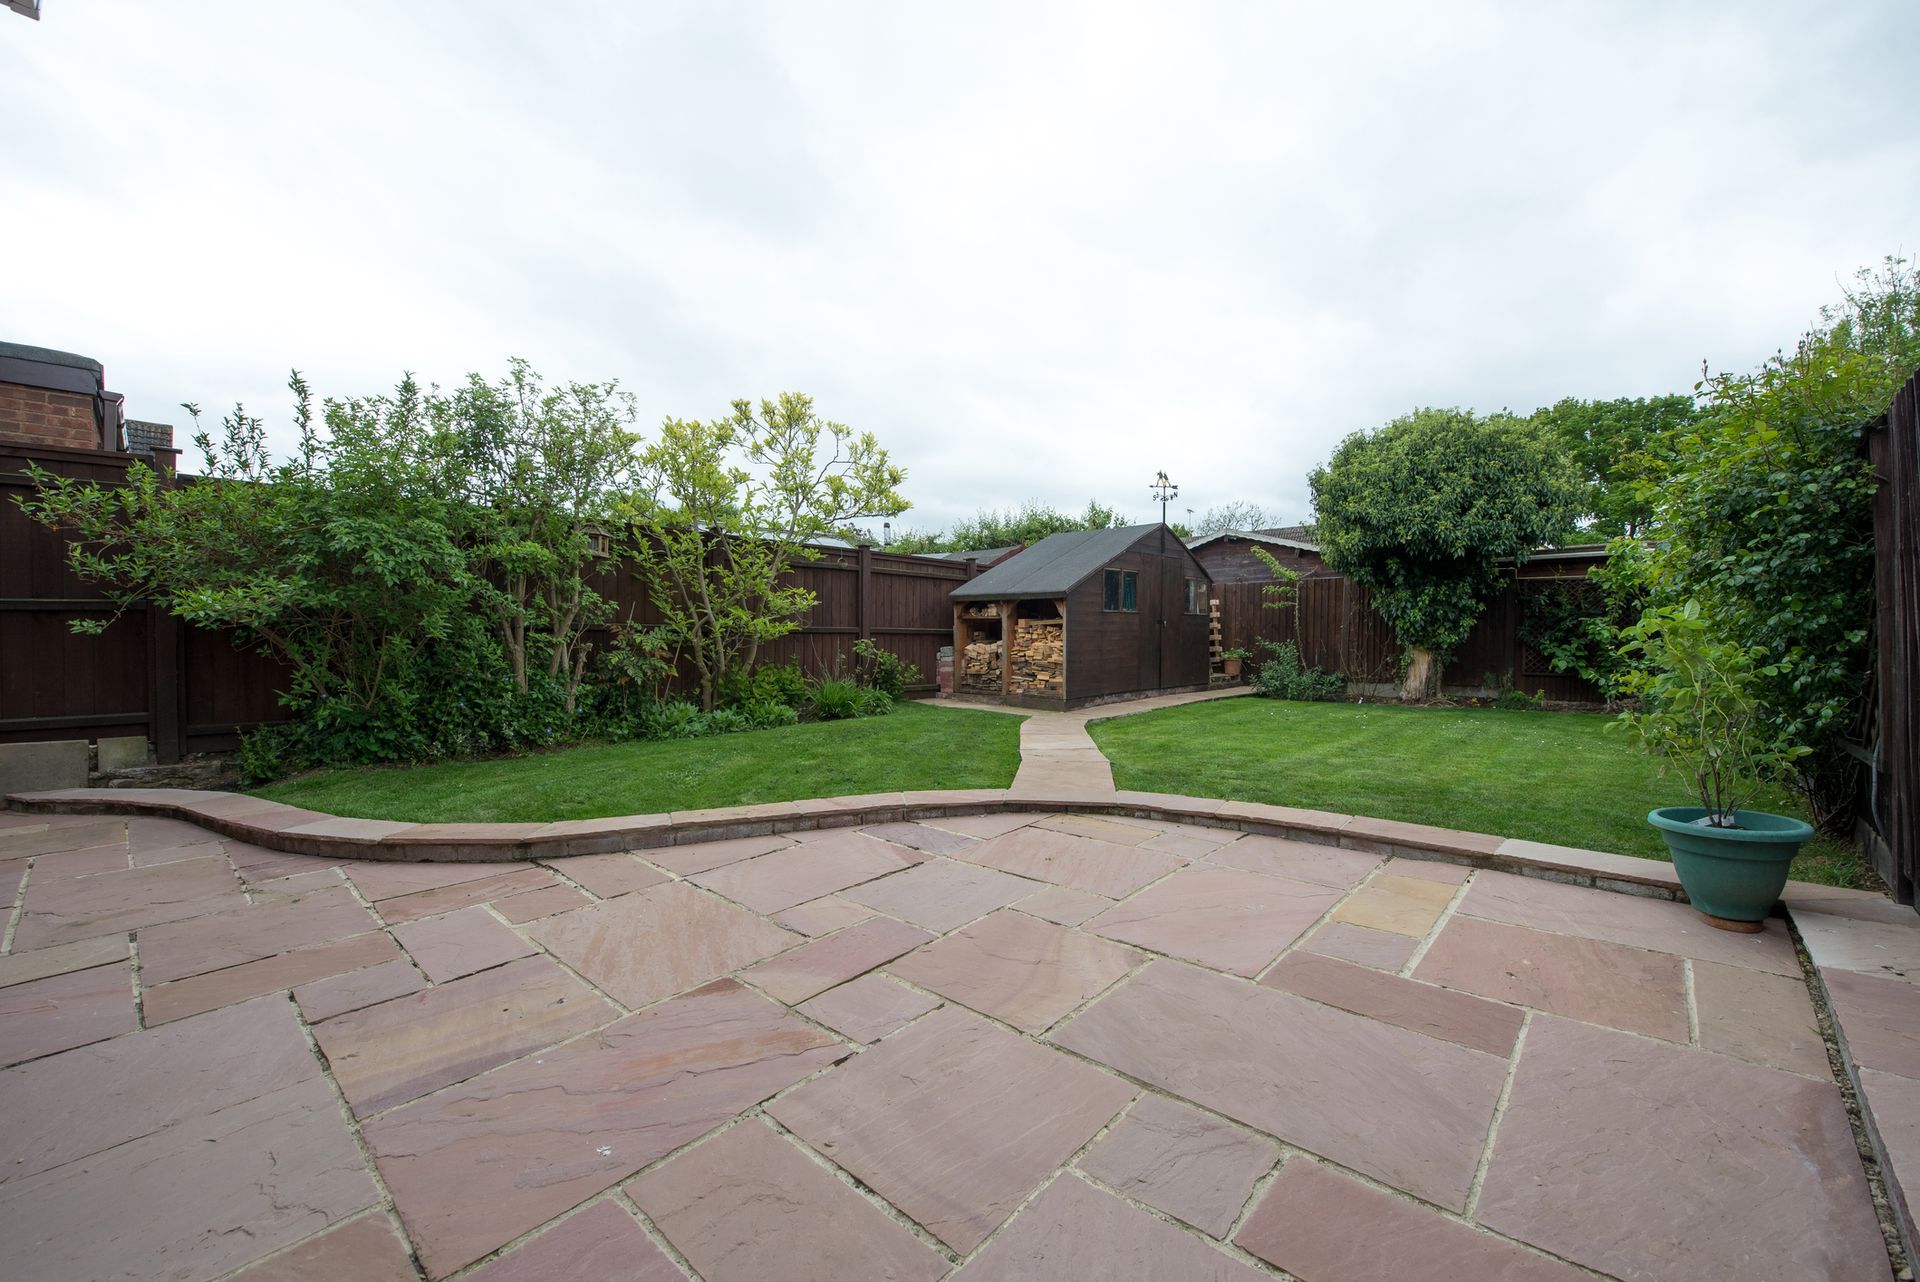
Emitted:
pixel 44 417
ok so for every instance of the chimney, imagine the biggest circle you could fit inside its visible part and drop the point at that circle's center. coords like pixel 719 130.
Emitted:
pixel 152 442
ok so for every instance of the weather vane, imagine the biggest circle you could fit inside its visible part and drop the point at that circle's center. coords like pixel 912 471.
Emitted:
pixel 1164 491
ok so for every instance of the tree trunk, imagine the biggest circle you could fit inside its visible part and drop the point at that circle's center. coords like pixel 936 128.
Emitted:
pixel 1423 676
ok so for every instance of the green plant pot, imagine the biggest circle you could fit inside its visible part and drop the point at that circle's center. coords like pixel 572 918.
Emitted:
pixel 1733 876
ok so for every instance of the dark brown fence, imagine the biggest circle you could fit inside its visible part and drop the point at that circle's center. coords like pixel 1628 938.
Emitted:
pixel 189 690
pixel 1337 629
pixel 1891 812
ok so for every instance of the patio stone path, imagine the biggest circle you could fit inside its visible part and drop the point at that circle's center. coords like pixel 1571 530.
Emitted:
pixel 1001 1046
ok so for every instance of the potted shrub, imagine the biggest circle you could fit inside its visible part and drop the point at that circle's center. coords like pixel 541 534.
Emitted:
pixel 1700 711
pixel 1230 660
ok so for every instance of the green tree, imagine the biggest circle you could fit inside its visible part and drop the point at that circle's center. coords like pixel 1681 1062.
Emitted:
pixel 1006 527
pixel 1619 446
pixel 726 508
pixel 543 467
pixel 1236 515
pixel 1764 517
pixel 1422 510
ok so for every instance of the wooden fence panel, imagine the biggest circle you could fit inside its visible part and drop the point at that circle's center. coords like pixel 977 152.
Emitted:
pixel 1893 793
pixel 1337 629
pixel 188 690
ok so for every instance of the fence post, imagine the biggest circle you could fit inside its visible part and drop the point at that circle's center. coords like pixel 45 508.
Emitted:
pixel 863 601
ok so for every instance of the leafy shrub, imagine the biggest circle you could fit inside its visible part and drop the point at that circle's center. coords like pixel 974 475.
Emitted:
pixel 836 699
pixel 1575 626
pixel 728 721
pixel 781 683
pixel 875 702
pixel 1515 700
pixel 882 670
pixel 675 719
pixel 1701 708
pixel 1281 675
pixel 765 716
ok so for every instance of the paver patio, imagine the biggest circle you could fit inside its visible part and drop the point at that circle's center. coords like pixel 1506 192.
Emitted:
pixel 986 1047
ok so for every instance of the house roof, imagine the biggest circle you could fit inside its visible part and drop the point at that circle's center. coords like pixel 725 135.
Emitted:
pixel 985 556
pixel 48 356
pixel 1052 567
pixel 1259 536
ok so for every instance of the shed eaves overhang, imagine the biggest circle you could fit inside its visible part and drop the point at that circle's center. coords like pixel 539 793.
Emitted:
pixel 1054 566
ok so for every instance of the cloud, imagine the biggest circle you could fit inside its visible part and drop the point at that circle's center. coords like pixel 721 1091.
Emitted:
pixel 1042 251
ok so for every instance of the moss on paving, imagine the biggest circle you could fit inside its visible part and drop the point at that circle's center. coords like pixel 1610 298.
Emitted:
pixel 913 748
pixel 1558 777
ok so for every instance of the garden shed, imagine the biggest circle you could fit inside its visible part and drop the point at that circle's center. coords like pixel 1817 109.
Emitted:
pixel 1084 617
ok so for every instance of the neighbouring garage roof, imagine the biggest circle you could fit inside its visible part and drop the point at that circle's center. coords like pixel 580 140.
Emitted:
pixel 1258 536
pixel 1054 566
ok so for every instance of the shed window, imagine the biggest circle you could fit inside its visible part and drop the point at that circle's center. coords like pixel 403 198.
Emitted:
pixel 1196 596
pixel 1122 591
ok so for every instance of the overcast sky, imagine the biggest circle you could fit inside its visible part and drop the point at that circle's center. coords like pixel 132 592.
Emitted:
pixel 1040 250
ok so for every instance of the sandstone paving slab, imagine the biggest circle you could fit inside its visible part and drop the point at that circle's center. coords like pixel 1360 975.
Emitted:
pixel 953 1120
pixel 1621 1154
pixel 747 1205
pixel 18 968
pixel 1893 1105
pixel 774 882
pixel 1018 969
pixel 608 876
pixel 823 916
pixel 1063 906
pixel 1190 1164
pixel 147 835
pixel 1402 1107
pixel 1362 945
pixel 195 1199
pixel 87 861
pixel 60 1012
pixel 1223 918
pixel 926 838
pixel 812 968
pixel 706 855
pixel 1194 843
pixel 1879 1018
pixel 1319 1224
pixel 868 1008
pixel 460 943
pixel 258 864
pixel 535 904
pixel 1074 1231
pixel 985 826
pixel 1300 860
pixel 446 899
pixel 1083 863
pixel 386 1054
pixel 1427 870
pixel 363 1250
pixel 1117 831
pixel 477 1165
pixel 76 1104
pixel 49 839
pixel 249 932
pixel 1401 905
pixel 381 879
pixel 209 845
pixel 656 942
pixel 1854 931
pixel 165 1002
pixel 1438 1012
pixel 60 912
pixel 603 1243
pixel 1624 919
pixel 941 894
pixel 1586 979
pixel 325 998
pixel 1760 1017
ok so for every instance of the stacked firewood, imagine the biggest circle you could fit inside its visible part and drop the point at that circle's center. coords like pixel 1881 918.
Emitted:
pixel 1039 656
pixel 981 664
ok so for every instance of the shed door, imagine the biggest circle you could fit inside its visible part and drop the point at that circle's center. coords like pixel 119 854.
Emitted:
pixel 1172 595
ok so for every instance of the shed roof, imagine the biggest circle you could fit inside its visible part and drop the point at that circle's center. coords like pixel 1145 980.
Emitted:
pixel 1054 566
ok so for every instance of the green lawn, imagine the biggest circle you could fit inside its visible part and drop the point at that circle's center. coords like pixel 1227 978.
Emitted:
pixel 913 748
pixel 1546 776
